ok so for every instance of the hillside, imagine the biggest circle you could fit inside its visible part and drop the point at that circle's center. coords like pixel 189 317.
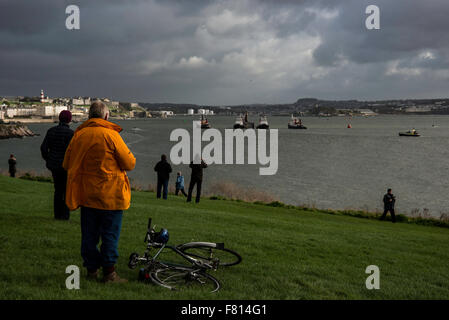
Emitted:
pixel 287 253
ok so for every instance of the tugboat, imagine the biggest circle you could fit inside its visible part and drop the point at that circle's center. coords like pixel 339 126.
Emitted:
pixel 243 123
pixel 238 124
pixel 263 123
pixel 295 123
pixel 410 133
pixel 204 123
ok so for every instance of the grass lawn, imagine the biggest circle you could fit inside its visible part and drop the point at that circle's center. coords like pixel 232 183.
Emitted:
pixel 287 253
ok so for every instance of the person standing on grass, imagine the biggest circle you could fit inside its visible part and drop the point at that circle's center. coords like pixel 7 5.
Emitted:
pixel 389 201
pixel 180 184
pixel 12 162
pixel 196 178
pixel 163 169
pixel 96 162
pixel 53 150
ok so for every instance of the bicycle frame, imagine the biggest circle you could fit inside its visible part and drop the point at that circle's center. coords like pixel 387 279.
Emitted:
pixel 150 260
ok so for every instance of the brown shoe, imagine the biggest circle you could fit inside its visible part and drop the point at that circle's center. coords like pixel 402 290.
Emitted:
pixel 92 275
pixel 113 278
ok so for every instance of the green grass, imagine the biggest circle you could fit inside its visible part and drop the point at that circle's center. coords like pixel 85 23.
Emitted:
pixel 287 253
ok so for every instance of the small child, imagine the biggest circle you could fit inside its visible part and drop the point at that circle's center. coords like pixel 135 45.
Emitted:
pixel 180 184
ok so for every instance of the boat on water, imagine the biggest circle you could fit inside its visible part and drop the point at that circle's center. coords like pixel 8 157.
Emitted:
pixel 263 123
pixel 204 123
pixel 136 129
pixel 238 124
pixel 243 123
pixel 296 123
pixel 410 133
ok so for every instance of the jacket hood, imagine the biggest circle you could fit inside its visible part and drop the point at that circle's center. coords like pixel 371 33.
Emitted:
pixel 97 122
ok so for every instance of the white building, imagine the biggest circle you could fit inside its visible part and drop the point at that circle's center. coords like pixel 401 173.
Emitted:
pixel 418 109
pixel 190 112
pixel 205 111
pixel 20 112
pixel 78 101
pixel 51 111
pixel 2 115
pixel 58 109
pixel 367 112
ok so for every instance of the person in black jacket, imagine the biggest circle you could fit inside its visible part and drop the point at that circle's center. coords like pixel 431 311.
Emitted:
pixel 389 201
pixel 163 169
pixel 196 178
pixel 12 161
pixel 53 150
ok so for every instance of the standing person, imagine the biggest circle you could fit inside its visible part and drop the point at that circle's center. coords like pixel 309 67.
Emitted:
pixel 96 162
pixel 196 178
pixel 12 162
pixel 389 201
pixel 180 184
pixel 53 150
pixel 163 169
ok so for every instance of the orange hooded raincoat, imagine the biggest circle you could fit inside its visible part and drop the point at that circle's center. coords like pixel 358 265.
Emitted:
pixel 96 161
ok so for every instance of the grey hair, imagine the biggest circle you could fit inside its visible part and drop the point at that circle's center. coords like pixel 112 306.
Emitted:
pixel 98 110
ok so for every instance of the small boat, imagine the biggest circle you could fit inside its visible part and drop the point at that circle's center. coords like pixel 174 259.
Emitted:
pixel 135 129
pixel 263 123
pixel 410 133
pixel 295 123
pixel 204 123
pixel 238 124
pixel 243 123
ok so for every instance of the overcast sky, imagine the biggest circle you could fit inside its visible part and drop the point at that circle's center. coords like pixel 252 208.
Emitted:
pixel 225 52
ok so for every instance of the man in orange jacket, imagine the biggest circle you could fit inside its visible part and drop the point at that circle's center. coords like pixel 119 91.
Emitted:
pixel 96 162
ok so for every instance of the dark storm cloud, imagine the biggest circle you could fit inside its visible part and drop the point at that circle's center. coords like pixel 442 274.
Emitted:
pixel 225 52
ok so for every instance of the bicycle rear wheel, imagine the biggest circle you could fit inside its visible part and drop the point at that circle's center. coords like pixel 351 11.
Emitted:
pixel 180 278
pixel 211 251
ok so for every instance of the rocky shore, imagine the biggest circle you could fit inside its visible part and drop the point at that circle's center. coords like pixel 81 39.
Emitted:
pixel 15 131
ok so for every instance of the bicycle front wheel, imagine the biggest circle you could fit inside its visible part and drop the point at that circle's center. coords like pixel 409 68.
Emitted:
pixel 180 278
pixel 211 251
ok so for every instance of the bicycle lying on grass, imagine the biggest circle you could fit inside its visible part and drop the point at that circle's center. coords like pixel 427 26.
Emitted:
pixel 199 257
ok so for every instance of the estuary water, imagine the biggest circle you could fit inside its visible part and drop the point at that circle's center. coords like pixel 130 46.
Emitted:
pixel 326 166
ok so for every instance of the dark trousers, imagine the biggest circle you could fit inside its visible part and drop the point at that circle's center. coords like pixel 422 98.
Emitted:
pixel 162 184
pixel 393 217
pixel 182 191
pixel 12 173
pixel 60 209
pixel 198 183
pixel 99 224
